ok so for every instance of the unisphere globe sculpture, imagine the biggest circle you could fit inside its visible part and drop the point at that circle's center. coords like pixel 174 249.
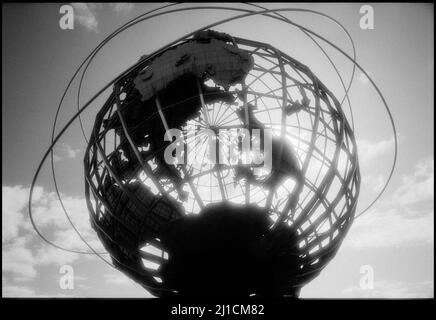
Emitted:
pixel 195 227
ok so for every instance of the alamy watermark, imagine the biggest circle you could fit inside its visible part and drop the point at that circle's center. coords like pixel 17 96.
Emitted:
pixel 366 21
pixel 66 22
pixel 234 146
pixel 66 280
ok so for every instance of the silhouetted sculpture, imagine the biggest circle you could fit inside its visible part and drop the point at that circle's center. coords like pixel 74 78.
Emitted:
pixel 220 230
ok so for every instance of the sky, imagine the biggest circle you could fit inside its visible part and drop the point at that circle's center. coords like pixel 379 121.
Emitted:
pixel 394 240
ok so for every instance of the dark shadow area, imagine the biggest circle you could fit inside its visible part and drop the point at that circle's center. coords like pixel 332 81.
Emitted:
pixel 228 250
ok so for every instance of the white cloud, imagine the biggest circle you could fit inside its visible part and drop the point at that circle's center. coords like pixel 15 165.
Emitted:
pixel 13 291
pixel 118 285
pixel 65 151
pixel 417 189
pixel 23 253
pixel 14 200
pixel 122 8
pixel 49 216
pixel 117 279
pixel 368 150
pixel 50 255
pixel 393 290
pixel 18 259
pixel 405 218
pixel 373 183
pixel 85 16
pixel 390 228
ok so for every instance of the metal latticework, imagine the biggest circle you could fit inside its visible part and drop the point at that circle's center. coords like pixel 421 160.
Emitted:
pixel 133 194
